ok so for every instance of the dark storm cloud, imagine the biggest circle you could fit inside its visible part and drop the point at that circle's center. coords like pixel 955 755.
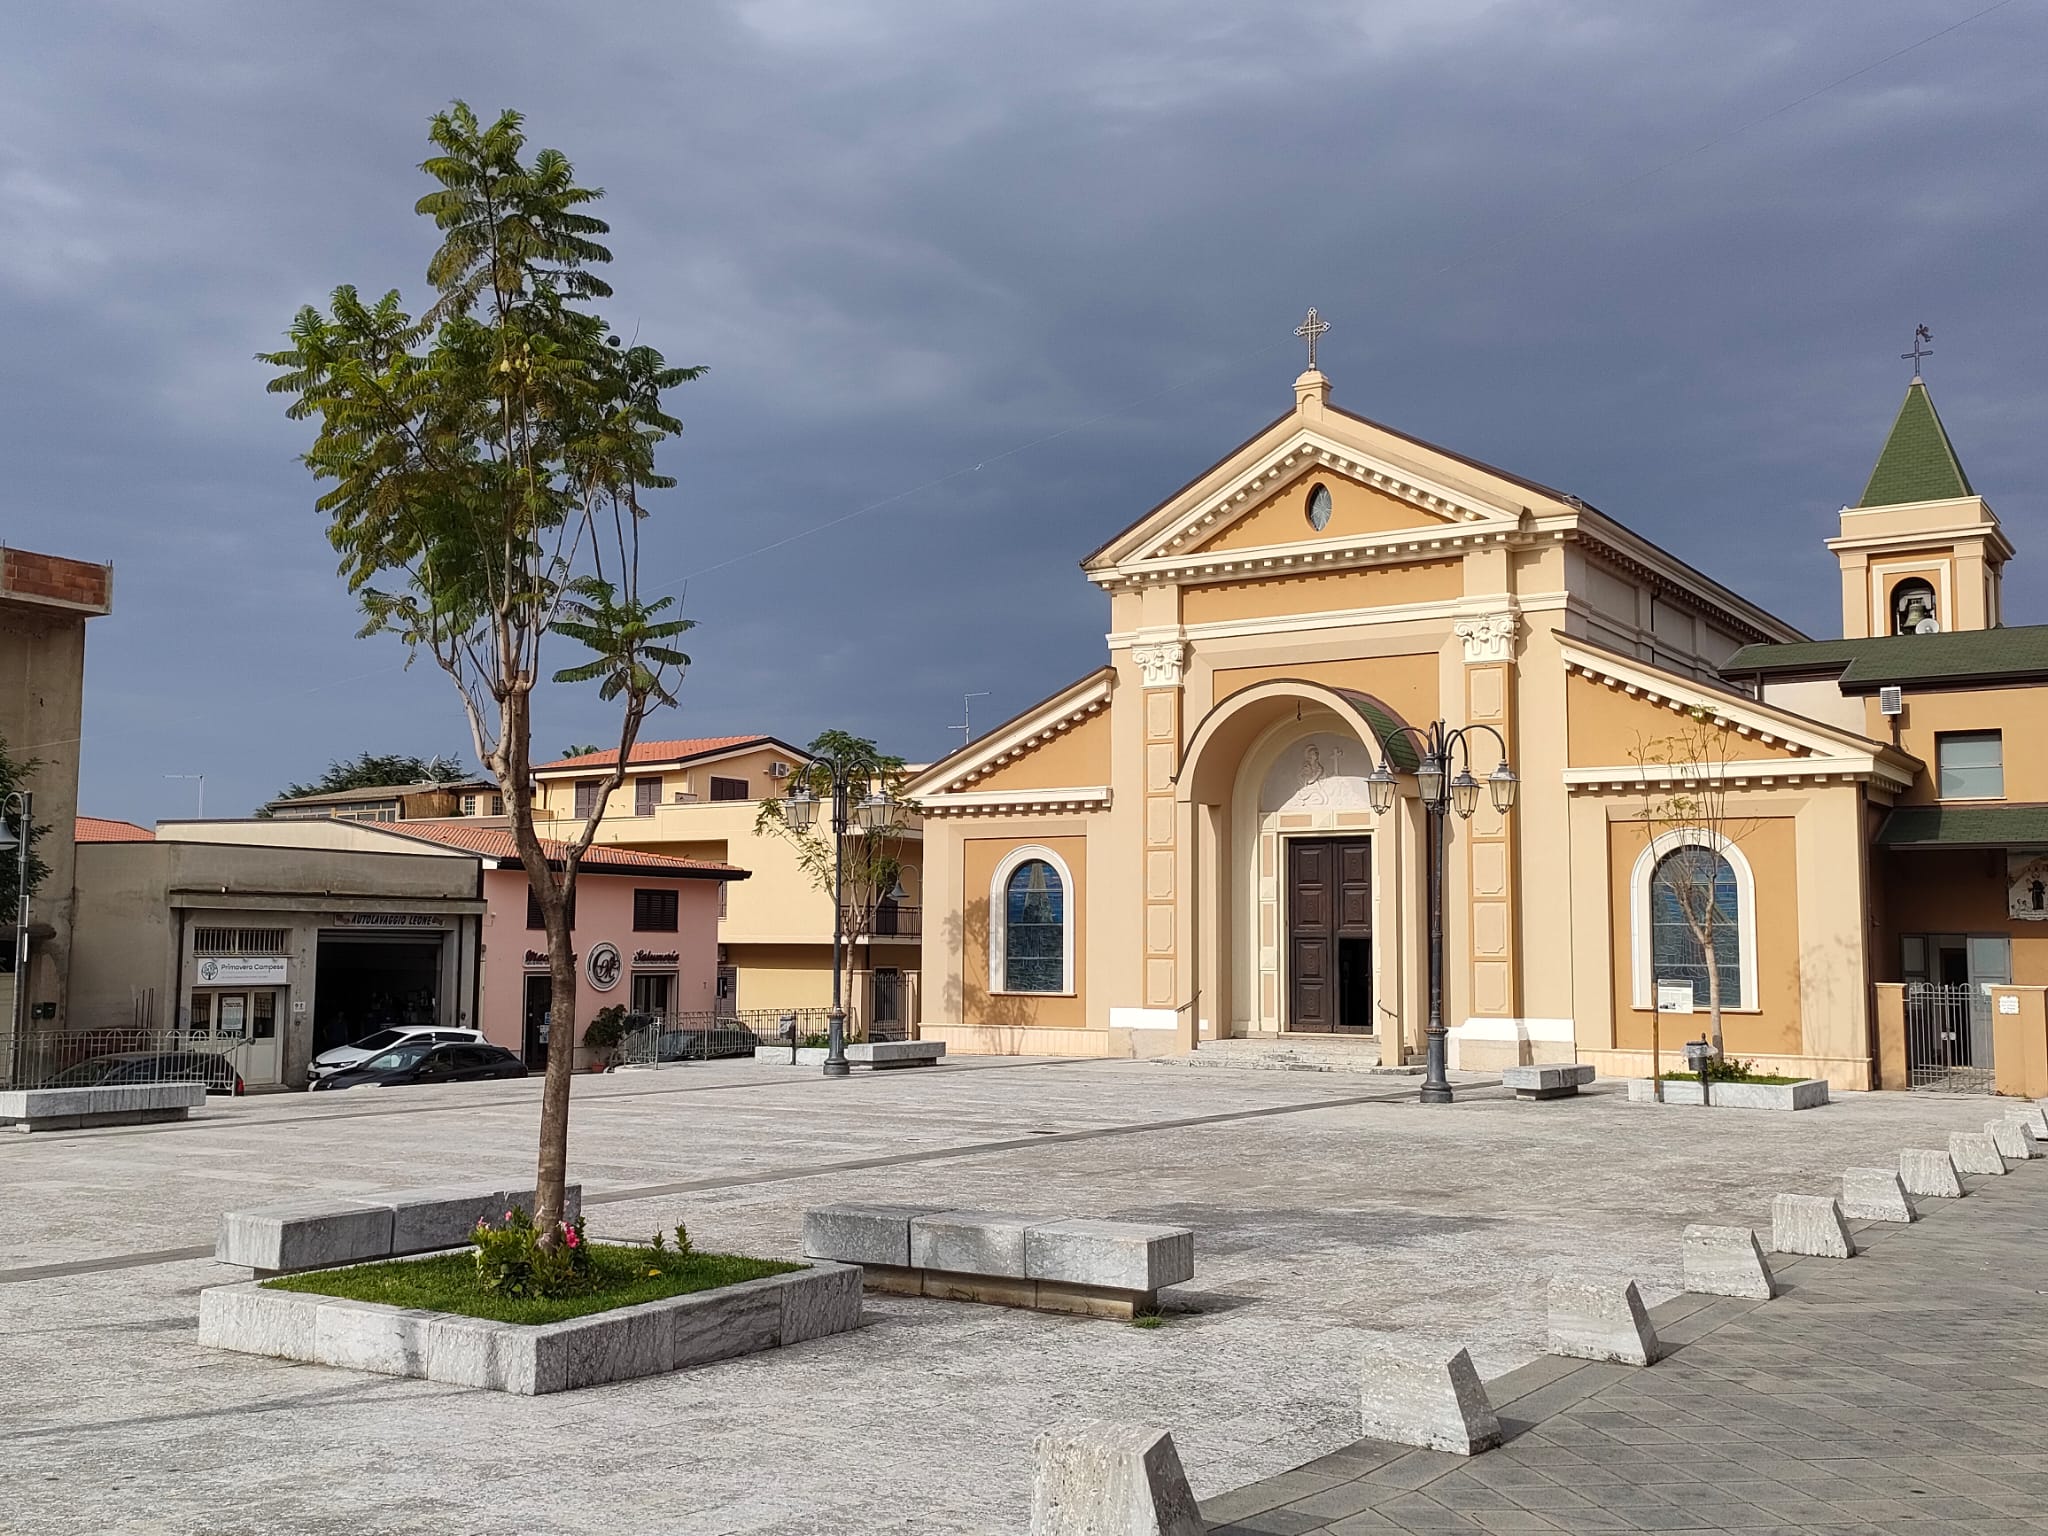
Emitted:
pixel 1062 242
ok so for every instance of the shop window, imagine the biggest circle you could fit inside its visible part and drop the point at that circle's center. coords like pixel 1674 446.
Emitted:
pixel 654 911
pixel 1697 869
pixel 533 917
pixel 586 798
pixel 202 1013
pixel 263 1016
pixel 1970 765
pixel 646 796
pixel 728 789
pixel 1031 935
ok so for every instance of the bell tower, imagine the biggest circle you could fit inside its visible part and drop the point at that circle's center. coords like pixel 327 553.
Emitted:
pixel 1921 552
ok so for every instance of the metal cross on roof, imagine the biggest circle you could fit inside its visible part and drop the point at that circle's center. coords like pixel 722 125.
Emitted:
pixel 1312 328
pixel 1920 334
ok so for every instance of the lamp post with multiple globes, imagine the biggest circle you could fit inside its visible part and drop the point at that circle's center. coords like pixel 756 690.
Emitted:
pixel 1442 792
pixel 873 812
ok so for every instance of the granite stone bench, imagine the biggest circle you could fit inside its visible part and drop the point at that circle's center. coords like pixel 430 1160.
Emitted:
pixel 75 1109
pixel 876 1055
pixel 322 1232
pixel 1548 1080
pixel 1080 1265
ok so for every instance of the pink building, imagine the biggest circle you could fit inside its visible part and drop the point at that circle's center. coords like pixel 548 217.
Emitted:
pixel 645 929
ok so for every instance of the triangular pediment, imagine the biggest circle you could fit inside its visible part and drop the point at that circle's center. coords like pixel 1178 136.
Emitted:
pixel 1058 748
pixel 1258 499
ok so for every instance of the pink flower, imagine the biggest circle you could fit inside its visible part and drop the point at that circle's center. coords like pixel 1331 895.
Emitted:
pixel 508 1215
pixel 569 1236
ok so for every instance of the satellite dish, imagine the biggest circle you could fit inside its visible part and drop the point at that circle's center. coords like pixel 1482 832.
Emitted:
pixel 1927 627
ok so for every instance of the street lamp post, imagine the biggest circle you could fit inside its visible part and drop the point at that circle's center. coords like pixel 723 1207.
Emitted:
pixel 871 814
pixel 20 803
pixel 1441 793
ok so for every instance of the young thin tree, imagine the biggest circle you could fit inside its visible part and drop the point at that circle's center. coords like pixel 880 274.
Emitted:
pixel 873 858
pixel 1685 811
pixel 489 461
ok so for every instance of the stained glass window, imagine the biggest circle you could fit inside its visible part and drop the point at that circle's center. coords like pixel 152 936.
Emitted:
pixel 1319 508
pixel 1034 929
pixel 1685 876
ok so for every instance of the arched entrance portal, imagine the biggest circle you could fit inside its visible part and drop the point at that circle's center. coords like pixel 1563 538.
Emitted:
pixel 1305 900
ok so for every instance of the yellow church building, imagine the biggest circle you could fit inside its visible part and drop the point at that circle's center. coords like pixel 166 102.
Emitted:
pixel 1183 847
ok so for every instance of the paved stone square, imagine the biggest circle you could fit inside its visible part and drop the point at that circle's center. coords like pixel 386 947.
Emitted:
pixel 1327 1208
pixel 1894 1392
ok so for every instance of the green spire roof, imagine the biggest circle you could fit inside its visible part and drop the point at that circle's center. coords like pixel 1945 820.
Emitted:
pixel 1918 463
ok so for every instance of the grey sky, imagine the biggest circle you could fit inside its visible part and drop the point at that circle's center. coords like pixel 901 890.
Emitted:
pixel 1036 265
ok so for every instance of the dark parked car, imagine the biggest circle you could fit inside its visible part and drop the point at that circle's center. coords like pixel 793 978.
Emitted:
pixel 420 1061
pixel 127 1068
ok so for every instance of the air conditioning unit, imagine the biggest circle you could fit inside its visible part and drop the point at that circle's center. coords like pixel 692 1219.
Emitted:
pixel 1891 702
pixel 779 770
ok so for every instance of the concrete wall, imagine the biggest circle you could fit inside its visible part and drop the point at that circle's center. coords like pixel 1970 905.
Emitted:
pixel 45 602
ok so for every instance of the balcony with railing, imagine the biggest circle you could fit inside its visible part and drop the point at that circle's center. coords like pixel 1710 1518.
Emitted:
pixel 892 920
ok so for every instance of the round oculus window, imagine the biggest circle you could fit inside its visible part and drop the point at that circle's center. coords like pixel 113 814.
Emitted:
pixel 1319 508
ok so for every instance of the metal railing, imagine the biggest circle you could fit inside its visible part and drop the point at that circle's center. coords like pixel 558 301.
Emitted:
pixel 891 921
pixel 113 1058
pixel 668 1040
pixel 1948 1038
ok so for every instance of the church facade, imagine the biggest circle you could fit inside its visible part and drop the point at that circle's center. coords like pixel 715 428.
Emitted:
pixel 1183 847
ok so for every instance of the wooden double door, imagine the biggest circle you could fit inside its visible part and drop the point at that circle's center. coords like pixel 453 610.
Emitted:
pixel 1329 935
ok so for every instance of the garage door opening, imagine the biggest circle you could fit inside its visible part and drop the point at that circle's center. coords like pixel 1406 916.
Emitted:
pixel 364 985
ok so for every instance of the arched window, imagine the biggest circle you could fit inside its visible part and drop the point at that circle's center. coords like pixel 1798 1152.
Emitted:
pixel 1319 508
pixel 1031 924
pixel 1693 890
pixel 1698 869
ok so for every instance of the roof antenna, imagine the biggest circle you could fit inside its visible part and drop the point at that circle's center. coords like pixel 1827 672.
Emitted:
pixel 966 725
pixel 1921 335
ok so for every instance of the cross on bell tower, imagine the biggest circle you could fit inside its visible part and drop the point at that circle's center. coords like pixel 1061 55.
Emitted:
pixel 1312 328
pixel 1921 335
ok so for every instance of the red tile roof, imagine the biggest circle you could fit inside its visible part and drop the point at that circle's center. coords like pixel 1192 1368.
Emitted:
pixel 497 843
pixel 98 829
pixel 656 752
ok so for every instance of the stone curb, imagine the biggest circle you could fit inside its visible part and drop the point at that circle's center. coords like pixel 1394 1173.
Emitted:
pixel 627 1342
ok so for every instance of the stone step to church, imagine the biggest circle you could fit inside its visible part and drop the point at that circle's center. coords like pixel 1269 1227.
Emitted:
pixel 1299 1053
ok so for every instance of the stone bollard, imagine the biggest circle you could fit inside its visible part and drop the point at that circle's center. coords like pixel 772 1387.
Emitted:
pixel 2033 1116
pixel 1810 1224
pixel 1727 1261
pixel 1097 1478
pixel 1975 1152
pixel 1416 1393
pixel 2012 1138
pixel 1601 1320
pixel 1876 1194
pixel 1929 1173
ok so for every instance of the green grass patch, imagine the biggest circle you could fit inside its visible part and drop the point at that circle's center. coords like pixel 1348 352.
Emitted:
pixel 1148 1320
pixel 1715 1079
pixel 620 1276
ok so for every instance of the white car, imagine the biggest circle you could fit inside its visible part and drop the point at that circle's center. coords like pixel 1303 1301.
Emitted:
pixel 327 1063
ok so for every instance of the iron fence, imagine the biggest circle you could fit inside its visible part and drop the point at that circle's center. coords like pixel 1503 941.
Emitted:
pixel 1948 1038
pixel 671 1039
pixel 110 1058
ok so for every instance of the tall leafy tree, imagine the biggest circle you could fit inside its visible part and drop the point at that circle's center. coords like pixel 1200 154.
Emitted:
pixel 489 461
pixel 15 772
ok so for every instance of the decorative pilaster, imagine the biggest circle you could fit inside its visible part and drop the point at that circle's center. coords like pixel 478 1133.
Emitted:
pixel 1490 678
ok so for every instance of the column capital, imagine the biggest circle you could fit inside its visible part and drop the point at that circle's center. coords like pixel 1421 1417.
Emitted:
pixel 1161 661
pixel 1488 637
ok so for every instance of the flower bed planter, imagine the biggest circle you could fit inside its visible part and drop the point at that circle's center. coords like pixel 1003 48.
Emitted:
pixel 1809 1093
pixel 655 1337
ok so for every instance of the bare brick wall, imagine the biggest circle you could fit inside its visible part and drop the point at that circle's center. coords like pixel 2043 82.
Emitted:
pixel 52 578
